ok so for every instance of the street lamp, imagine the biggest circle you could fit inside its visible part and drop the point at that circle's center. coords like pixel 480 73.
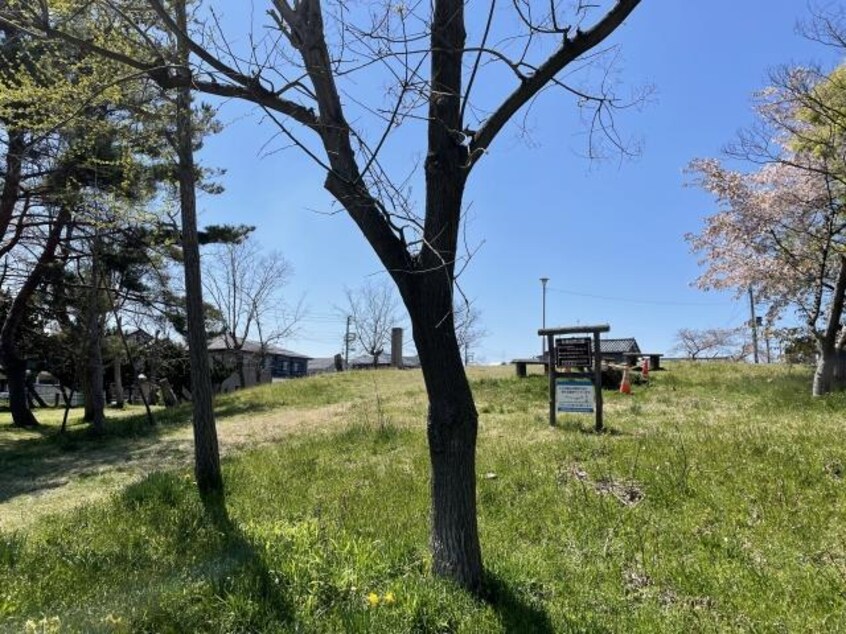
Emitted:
pixel 543 281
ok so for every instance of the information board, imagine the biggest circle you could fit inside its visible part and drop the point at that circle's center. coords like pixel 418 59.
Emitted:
pixel 574 395
pixel 573 352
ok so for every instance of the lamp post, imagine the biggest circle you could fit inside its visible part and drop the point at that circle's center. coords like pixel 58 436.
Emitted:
pixel 543 281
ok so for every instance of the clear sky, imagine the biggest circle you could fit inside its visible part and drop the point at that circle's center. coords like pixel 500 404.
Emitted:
pixel 609 235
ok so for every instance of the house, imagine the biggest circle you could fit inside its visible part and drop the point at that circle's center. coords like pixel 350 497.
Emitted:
pixel 615 350
pixel 321 365
pixel 139 337
pixel 262 363
pixel 46 386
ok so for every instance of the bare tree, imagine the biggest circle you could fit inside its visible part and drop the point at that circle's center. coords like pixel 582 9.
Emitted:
pixel 373 310
pixel 709 343
pixel 468 328
pixel 304 77
pixel 245 286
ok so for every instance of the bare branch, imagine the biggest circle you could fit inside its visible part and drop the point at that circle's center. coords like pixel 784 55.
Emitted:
pixel 571 49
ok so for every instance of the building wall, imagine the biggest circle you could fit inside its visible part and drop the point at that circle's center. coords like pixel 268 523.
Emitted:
pixel 274 367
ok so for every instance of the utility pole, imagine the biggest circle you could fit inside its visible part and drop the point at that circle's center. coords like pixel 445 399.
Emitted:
pixel 347 341
pixel 754 322
pixel 767 343
pixel 543 281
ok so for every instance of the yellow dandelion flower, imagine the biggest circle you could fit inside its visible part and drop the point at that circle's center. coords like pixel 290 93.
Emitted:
pixel 111 619
pixel 389 598
pixel 373 599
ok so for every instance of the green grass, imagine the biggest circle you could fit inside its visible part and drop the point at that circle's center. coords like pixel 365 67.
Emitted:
pixel 716 502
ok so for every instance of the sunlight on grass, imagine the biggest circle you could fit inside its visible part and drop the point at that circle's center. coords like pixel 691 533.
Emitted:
pixel 715 502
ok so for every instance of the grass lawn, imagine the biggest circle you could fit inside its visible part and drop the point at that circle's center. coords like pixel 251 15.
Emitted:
pixel 715 502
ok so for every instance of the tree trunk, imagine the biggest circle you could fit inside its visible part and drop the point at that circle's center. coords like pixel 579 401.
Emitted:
pixel 94 365
pixel 206 452
pixel 129 357
pixel 33 396
pixel 15 368
pixel 14 365
pixel 67 398
pixel 16 147
pixel 85 387
pixel 13 362
pixel 242 372
pixel 452 428
pixel 827 342
pixel 824 373
pixel 118 379
pixel 453 421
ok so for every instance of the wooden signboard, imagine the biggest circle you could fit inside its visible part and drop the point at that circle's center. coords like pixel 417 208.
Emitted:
pixel 573 394
pixel 573 352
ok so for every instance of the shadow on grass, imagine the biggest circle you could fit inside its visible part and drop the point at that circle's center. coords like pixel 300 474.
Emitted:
pixel 31 464
pixel 516 614
pixel 262 587
pixel 34 464
pixel 196 546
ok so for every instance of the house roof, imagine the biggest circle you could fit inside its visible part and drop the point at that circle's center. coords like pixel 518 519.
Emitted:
pixel 609 347
pixel 139 334
pixel 618 346
pixel 225 342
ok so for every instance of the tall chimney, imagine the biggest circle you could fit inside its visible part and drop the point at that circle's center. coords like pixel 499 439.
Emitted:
pixel 396 347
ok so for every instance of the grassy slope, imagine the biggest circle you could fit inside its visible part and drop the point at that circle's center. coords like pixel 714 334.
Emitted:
pixel 716 503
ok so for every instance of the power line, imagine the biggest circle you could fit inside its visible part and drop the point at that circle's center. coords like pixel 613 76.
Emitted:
pixel 631 300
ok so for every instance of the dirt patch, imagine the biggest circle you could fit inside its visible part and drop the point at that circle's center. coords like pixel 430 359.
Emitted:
pixel 639 586
pixel 834 469
pixel 627 492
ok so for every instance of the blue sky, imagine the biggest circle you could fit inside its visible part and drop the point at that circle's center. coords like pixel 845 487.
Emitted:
pixel 609 235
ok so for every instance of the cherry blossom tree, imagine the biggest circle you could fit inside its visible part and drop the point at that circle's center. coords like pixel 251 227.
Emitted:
pixel 782 226
pixel 782 231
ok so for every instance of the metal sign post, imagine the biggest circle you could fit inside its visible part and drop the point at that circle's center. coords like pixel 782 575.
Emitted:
pixel 575 353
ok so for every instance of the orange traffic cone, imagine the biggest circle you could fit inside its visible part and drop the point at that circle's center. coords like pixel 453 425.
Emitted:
pixel 625 384
pixel 644 369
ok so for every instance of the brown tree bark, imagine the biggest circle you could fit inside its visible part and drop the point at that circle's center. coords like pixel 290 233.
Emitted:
pixel 452 424
pixel 10 356
pixel 452 427
pixel 206 451
pixel 15 367
pixel 118 380
pixel 9 195
pixel 94 358
pixel 827 349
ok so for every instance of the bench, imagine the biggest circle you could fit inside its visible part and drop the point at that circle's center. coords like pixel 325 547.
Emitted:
pixel 654 359
pixel 520 365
